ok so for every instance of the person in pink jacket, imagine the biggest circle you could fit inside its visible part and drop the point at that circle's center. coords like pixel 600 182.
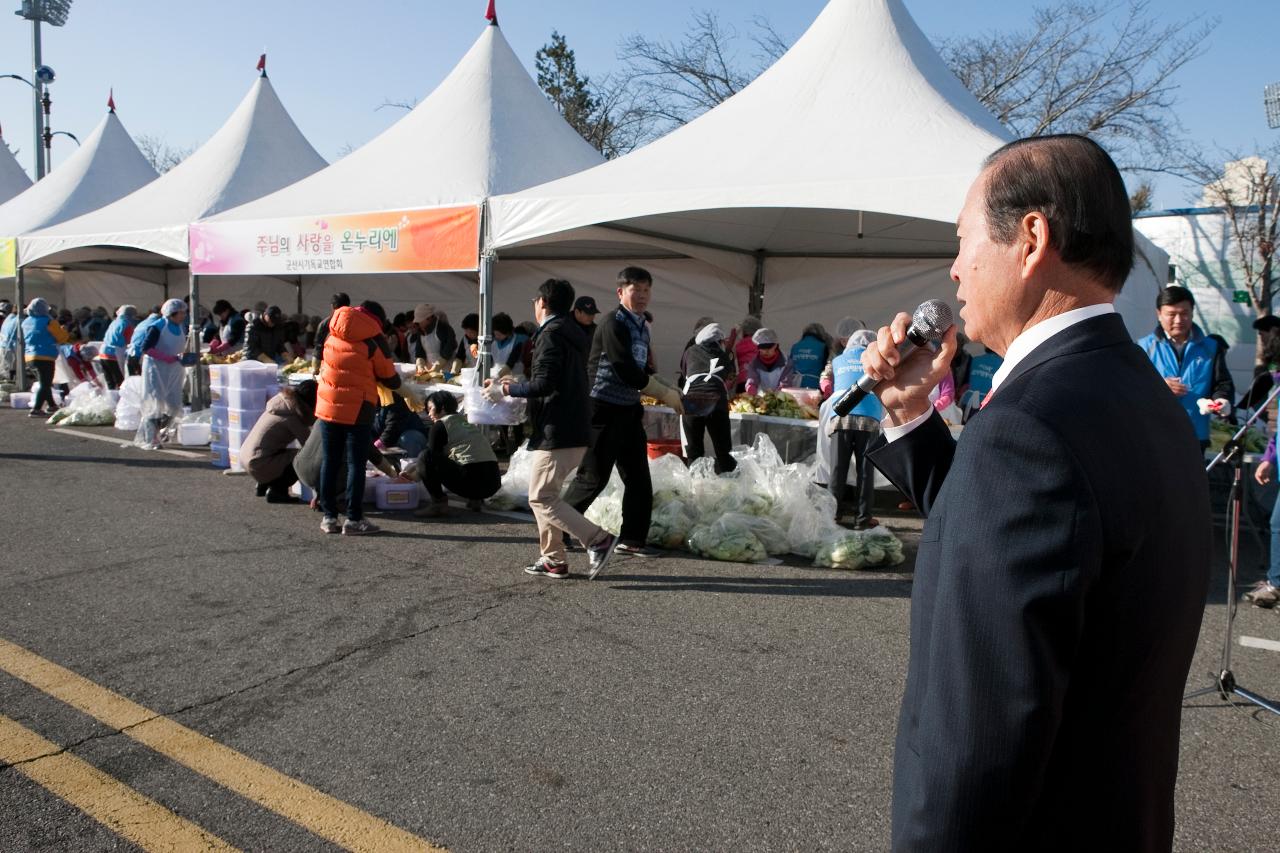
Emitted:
pixel 744 352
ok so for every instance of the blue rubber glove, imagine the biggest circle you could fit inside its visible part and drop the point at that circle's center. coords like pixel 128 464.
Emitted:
pixel 189 359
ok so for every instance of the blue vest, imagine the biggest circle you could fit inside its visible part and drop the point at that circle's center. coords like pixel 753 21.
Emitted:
pixel 847 370
pixel 140 334
pixel 1196 371
pixel 982 369
pixel 808 359
pixel 113 341
pixel 37 340
pixel 9 332
pixel 609 387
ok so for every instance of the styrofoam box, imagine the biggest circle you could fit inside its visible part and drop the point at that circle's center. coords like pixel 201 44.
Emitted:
pixel 194 435
pixel 20 399
pixel 219 456
pixel 251 374
pixel 243 418
pixel 237 436
pixel 218 376
pixel 246 398
pixel 396 494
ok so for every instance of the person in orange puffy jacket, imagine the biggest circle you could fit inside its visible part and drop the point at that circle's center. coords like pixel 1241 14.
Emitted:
pixel 354 362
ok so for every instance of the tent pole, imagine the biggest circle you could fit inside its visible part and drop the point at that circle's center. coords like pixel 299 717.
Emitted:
pixel 19 357
pixel 193 317
pixel 487 259
pixel 299 294
pixel 755 302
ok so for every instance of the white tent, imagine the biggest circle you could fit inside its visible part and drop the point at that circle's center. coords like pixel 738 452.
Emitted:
pixel 835 177
pixel 13 179
pixel 257 150
pixel 107 166
pixel 486 129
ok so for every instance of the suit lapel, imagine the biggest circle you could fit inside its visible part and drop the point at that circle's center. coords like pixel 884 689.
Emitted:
pixel 1094 333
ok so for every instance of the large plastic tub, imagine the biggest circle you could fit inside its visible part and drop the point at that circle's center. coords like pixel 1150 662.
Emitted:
pixel 243 418
pixel 396 495
pixel 246 398
pixel 219 456
pixel 20 399
pixel 218 376
pixel 251 374
pixel 194 435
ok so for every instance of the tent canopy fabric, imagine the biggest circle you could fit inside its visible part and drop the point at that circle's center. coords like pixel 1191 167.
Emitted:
pixel 859 144
pixel 258 150
pixel 107 166
pixel 13 178
pixel 486 129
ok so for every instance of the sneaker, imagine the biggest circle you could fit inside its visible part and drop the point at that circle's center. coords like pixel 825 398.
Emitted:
pixel 638 550
pixel 36 413
pixel 1263 595
pixel 433 509
pixel 548 568
pixel 599 554
pixel 330 525
pixel 359 528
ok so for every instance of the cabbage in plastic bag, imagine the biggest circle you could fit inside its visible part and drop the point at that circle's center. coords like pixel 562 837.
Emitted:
pixel 669 474
pixel 766 531
pixel 514 492
pixel 670 524
pixel 85 406
pixel 728 540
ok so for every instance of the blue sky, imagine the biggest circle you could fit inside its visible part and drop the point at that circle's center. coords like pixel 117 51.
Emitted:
pixel 179 68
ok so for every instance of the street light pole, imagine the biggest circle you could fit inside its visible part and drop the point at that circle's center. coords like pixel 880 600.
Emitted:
pixel 37 91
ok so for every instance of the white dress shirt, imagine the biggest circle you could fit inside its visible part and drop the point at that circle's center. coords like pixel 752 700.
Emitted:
pixel 1023 345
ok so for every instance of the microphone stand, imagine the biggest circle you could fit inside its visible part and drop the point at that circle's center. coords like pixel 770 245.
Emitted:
pixel 1233 454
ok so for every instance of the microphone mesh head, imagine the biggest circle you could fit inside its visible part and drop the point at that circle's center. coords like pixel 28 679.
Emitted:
pixel 932 319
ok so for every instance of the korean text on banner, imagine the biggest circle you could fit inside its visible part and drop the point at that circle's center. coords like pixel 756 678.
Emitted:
pixel 8 257
pixel 445 239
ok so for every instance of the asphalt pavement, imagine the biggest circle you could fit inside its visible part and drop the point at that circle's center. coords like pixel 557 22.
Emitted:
pixel 419 682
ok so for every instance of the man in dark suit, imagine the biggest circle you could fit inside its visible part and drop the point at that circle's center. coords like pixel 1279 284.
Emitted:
pixel 1063 568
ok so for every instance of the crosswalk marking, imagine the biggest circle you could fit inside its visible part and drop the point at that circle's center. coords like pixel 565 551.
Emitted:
pixel 326 816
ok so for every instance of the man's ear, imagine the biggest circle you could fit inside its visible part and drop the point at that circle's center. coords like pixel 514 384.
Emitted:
pixel 1034 242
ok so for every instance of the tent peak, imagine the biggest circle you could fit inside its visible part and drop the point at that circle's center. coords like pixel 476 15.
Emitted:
pixel 111 100
pixel 262 65
pixel 491 14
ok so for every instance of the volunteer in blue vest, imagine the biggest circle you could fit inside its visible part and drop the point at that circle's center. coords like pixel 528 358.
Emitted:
pixel 163 348
pixel 809 356
pixel 41 337
pixel 114 358
pixel 982 369
pixel 1193 365
pixel 620 355
pixel 854 432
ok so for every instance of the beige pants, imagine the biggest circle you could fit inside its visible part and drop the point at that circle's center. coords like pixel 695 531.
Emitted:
pixel 547 475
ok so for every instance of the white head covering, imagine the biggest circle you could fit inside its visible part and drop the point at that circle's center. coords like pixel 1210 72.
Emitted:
pixel 709 333
pixel 126 309
pixel 38 307
pixel 765 336
pixel 172 306
pixel 860 338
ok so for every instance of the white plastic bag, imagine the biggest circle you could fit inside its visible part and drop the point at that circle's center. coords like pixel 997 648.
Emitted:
pixel 85 406
pixel 606 510
pixel 726 539
pixel 514 492
pixel 508 411
pixel 129 409
pixel 670 525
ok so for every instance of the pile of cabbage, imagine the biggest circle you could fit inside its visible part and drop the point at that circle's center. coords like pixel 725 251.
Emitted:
pixel 764 509
pixel 86 406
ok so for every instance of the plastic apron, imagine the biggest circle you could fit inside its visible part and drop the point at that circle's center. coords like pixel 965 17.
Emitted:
pixel 771 380
pixel 161 386
pixel 431 346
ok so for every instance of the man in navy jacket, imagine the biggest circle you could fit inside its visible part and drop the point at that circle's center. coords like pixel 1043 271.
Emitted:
pixel 1063 567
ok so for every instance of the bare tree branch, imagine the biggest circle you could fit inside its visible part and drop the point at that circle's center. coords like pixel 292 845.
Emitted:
pixel 160 154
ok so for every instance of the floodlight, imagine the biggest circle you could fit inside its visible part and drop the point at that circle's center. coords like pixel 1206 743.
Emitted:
pixel 1271 100
pixel 52 12
pixel 45 75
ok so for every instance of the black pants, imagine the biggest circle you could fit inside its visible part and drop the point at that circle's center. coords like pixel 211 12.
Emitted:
pixel 716 423
pixel 44 385
pixel 134 364
pixel 475 482
pixel 353 443
pixel 617 438
pixel 112 373
pixel 853 443
pixel 279 487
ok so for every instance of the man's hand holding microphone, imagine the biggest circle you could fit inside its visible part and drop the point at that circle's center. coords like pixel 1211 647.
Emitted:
pixel 900 366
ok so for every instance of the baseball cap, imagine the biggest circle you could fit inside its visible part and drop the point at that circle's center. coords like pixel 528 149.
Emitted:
pixel 586 304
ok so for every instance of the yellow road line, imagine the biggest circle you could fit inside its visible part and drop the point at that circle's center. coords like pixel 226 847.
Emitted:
pixel 112 803
pixel 326 816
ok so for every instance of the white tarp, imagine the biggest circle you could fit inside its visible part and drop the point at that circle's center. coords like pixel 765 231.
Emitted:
pixel 107 166
pixel 257 151
pixel 13 178
pixel 486 129
pixel 856 147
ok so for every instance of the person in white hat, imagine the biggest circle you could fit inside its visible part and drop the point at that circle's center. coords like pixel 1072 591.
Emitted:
pixel 163 357
pixel 770 369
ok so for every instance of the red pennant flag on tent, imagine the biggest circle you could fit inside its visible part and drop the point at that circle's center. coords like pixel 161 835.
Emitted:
pixel 262 63
pixel 492 14
pixel 111 99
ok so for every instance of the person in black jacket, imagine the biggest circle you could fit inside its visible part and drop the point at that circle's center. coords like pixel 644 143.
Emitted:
pixel 265 339
pixel 558 396
pixel 709 368
pixel 431 340
pixel 339 300
pixel 1062 571
pixel 620 356
pixel 231 328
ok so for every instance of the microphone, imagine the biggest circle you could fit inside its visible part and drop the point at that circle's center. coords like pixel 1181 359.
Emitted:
pixel 929 323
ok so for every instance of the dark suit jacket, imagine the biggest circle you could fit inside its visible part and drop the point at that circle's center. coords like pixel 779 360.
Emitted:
pixel 1058 593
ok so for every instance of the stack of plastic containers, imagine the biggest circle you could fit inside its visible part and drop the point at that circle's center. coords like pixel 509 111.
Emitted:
pixel 239 393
